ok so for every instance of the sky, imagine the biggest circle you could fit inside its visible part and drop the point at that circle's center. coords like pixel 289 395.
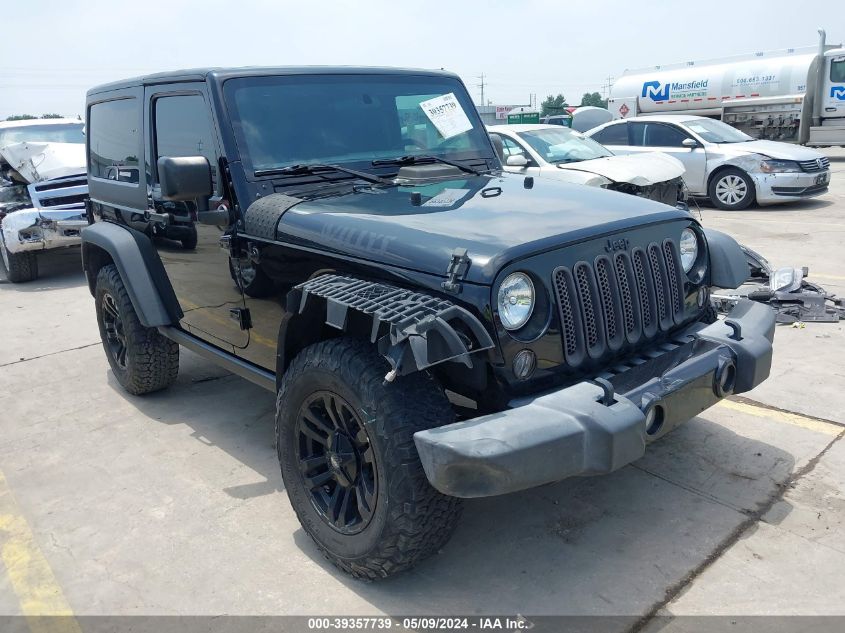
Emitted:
pixel 53 51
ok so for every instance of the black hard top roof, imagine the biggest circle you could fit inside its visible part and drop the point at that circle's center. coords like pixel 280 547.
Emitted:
pixel 221 74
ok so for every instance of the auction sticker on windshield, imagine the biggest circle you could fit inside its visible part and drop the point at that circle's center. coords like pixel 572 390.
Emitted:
pixel 447 115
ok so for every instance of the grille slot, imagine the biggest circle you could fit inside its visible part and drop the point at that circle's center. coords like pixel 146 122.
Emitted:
pixel 628 298
pixel 815 164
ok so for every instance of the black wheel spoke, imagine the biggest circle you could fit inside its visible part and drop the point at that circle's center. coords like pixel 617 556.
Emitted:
pixel 318 480
pixel 307 464
pixel 313 435
pixel 318 422
pixel 364 498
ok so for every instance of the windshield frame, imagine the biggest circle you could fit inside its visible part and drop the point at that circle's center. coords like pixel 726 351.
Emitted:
pixel 42 128
pixel 481 150
pixel 566 131
pixel 741 137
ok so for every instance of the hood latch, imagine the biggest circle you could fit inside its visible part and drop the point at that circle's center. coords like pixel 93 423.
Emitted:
pixel 458 266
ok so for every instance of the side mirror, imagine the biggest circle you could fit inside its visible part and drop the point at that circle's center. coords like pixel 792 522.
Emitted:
pixel 691 143
pixel 184 178
pixel 516 160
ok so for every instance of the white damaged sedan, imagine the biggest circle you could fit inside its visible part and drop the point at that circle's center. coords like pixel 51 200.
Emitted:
pixel 554 151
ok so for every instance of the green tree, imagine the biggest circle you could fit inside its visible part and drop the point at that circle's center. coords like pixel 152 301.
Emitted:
pixel 21 117
pixel 553 105
pixel 593 99
pixel 52 116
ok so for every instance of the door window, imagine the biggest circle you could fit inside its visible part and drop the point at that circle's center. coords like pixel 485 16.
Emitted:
pixel 656 135
pixel 183 128
pixel 114 140
pixel 837 71
pixel 612 135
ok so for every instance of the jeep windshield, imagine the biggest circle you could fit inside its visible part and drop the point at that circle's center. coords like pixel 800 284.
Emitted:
pixel 562 145
pixel 353 120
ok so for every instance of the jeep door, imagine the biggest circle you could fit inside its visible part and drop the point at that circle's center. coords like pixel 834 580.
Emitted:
pixel 179 123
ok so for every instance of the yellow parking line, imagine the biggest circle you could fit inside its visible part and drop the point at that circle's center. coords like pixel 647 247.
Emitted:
pixel 828 428
pixel 38 592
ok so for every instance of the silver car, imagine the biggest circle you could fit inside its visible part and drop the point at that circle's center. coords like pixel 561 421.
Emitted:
pixel 722 163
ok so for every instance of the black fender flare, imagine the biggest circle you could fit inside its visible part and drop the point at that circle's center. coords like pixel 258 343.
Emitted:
pixel 728 263
pixel 140 268
pixel 413 331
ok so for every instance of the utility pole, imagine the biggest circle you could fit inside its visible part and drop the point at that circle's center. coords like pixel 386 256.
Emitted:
pixel 481 85
pixel 605 89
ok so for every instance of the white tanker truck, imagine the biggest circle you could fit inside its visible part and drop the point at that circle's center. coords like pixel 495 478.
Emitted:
pixel 795 95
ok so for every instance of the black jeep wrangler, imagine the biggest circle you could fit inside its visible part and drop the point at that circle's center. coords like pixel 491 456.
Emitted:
pixel 433 328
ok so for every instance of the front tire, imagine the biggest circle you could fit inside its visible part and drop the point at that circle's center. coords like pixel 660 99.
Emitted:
pixel 20 267
pixel 142 360
pixel 349 463
pixel 732 189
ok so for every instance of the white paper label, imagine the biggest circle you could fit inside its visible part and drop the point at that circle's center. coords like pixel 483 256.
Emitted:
pixel 446 198
pixel 447 115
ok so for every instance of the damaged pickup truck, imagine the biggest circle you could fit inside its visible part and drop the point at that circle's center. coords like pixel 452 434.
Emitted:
pixel 433 327
pixel 43 188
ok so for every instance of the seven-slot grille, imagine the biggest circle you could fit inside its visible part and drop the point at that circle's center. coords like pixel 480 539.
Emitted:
pixel 816 164
pixel 620 299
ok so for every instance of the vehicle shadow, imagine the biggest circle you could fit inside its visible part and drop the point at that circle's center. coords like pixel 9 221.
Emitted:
pixel 599 545
pixel 57 270
pixel 809 204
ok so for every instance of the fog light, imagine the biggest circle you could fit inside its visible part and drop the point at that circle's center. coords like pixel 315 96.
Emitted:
pixel 702 296
pixel 524 364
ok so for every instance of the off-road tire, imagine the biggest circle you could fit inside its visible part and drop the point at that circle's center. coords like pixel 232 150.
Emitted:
pixel 151 360
pixel 20 267
pixel 732 172
pixel 190 243
pixel 411 520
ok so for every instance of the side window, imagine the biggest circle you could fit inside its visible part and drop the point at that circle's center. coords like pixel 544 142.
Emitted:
pixel 512 148
pixel 114 140
pixel 637 131
pixel 837 71
pixel 183 128
pixel 663 135
pixel 613 135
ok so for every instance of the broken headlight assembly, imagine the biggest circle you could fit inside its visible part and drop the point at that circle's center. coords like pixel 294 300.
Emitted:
pixel 786 279
pixel 772 166
pixel 32 234
pixel 515 300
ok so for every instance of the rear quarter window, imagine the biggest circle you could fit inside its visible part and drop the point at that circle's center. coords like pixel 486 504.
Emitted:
pixel 114 140
pixel 612 135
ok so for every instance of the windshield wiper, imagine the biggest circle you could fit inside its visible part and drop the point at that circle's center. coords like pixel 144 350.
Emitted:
pixel 414 160
pixel 316 168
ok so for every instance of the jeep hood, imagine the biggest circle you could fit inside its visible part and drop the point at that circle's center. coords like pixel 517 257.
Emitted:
pixel 772 149
pixel 34 161
pixel 641 170
pixel 498 219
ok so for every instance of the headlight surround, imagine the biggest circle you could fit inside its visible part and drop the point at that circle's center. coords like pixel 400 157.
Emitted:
pixel 688 246
pixel 516 300
pixel 771 165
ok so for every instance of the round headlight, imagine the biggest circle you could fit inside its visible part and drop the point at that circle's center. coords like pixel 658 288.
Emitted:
pixel 516 300
pixel 689 249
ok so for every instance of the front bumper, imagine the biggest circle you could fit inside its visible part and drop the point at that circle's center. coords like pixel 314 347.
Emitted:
pixel 38 230
pixel 587 429
pixel 783 187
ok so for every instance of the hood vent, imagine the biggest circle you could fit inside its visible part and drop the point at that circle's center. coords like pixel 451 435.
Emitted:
pixel 420 173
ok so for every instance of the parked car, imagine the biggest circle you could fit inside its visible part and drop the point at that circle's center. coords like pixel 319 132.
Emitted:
pixel 553 151
pixel 570 325
pixel 722 163
pixel 43 188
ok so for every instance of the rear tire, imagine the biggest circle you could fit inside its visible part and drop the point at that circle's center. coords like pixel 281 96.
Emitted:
pixel 142 360
pixel 20 267
pixel 732 189
pixel 339 427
